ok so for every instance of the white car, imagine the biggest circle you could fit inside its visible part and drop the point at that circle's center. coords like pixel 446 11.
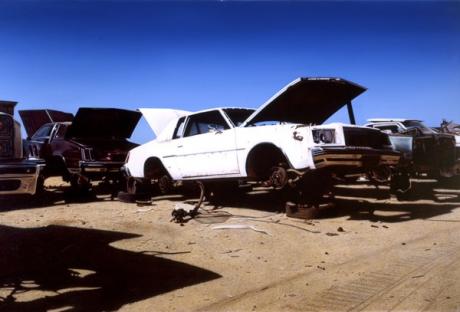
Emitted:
pixel 280 142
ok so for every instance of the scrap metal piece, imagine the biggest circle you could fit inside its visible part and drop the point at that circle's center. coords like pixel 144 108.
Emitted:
pixel 183 211
pixel 239 227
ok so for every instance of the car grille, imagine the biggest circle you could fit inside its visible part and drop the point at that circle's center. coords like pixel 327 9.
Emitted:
pixel 361 137
pixel 6 148
pixel 6 137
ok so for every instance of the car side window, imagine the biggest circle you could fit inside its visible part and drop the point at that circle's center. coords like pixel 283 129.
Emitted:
pixel 60 133
pixel 178 132
pixel 205 122
pixel 43 132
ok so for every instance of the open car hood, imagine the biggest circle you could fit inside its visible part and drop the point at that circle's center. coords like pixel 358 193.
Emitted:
pixel 307 101
pixel 103 123
pixel 159 118
pixel 35 118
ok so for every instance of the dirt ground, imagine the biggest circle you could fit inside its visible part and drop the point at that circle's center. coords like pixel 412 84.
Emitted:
pixel 96 254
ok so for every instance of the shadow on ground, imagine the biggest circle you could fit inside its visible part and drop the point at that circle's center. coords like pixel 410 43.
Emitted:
pixel 426 200
pixel 55 196
pixel 78 269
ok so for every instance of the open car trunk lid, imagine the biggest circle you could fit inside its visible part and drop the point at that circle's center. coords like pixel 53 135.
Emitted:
pixel 307 101
pixel 35 118
pixel 159 118
pixel 103 123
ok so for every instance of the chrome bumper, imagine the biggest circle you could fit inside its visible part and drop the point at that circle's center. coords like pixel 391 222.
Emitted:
pixel 19 178
pixel 100 167
pixel 357 158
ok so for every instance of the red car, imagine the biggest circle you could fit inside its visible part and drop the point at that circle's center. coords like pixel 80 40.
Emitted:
pixel 90 146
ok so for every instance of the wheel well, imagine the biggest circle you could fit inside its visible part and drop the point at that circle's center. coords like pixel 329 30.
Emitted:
pixel 262 158
pixel 154 169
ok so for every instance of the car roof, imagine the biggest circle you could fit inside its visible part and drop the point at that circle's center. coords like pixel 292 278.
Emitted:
pixel 375 120
pixel 220 108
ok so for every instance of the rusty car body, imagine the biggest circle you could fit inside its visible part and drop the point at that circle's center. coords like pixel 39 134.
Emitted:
pixel 18 175
pixel 90 146
pixel 452 128
pixel 424 152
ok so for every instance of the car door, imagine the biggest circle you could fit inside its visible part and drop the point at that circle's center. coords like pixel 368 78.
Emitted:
pixel 207 148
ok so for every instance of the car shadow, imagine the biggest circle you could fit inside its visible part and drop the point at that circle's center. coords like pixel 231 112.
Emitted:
pixel 54 196
pixel 425 200
pixel 58 267
pixel 420 190
pixel 384 212
pixel 359 202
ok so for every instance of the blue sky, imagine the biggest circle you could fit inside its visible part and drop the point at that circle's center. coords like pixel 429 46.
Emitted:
pixel 196 55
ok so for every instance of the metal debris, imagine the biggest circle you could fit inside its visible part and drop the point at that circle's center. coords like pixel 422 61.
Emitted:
pixel 239 227
pixel 143 210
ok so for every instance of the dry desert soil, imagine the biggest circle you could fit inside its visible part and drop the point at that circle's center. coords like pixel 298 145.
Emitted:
pixel 68 253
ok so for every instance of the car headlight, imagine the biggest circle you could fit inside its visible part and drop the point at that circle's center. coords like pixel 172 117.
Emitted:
pixel 324 136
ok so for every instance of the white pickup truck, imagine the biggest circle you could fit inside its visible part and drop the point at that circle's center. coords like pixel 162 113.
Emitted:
pixel 280 142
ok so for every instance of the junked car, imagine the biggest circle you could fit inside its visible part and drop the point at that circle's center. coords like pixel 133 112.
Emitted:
pixel 90 146
pixel 279 144
pixel 452 128
pixel 424 152
pixel 18 175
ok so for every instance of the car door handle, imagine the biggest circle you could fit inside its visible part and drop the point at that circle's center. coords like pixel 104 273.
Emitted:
pixel 179 146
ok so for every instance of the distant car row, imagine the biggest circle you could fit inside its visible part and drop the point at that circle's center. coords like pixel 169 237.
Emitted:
pixel 282 144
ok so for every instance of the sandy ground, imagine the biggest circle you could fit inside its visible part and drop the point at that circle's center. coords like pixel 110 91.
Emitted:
pixel 95 254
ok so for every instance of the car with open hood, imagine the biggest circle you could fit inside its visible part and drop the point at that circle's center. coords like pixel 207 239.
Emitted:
pixel 424 151
pixel 281 143
pixel 18 175
pixel 92 145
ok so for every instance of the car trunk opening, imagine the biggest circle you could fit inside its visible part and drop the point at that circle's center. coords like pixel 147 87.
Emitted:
pixel 106 150
pixel 35 118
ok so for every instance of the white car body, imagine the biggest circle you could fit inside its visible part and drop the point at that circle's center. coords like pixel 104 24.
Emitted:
pixel 225 149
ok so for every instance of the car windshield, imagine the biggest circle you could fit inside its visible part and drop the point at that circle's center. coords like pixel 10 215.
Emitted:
pixel 238 115
pixel 409 124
